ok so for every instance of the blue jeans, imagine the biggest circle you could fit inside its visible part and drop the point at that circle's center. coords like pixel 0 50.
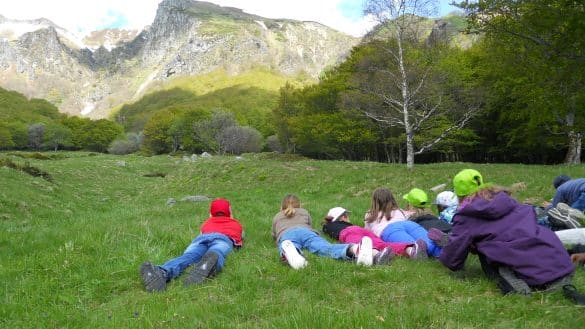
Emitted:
pixel 216 242
pixel 303 237
pixel 580 202
pixel 408 231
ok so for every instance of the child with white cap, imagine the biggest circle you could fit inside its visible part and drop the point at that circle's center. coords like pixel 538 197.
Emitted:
pixel 446 203
pixel 338 226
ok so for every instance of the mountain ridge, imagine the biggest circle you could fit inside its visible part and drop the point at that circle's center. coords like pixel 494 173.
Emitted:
pixel 186 38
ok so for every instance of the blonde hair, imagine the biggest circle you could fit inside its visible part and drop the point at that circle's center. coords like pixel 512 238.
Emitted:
pixel 382 202
pixel 419 212
pixel 289 203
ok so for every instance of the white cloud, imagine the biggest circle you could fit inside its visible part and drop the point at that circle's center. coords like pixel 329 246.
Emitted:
pixel 82 16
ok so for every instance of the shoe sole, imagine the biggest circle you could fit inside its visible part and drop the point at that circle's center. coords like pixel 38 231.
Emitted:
pixel 572 214
pixel 560 219
pixel 202 270
pixel 152 278
pixel 293 257
pixel 364 256
pixel 384 257
pixel 420 250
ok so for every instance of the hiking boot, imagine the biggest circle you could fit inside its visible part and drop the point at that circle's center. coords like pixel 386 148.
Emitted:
pixel 439 237
pixel 564 216
pixel 419 250
pixel 292 255
pixel 153 277
pixel 364 252
pixel 203 269
pixel 510 283
pixel 384 256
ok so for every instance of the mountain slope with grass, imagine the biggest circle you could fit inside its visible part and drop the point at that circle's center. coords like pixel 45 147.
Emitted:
pixel 71 248
pixel 186 39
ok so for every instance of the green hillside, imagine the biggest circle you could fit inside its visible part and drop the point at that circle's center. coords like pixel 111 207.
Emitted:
pixel 250 95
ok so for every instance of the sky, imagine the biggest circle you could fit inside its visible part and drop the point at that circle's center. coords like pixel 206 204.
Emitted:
pixel 83 16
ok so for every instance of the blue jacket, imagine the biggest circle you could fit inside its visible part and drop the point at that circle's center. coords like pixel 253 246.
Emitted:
pixel 569 192
pixel 506 233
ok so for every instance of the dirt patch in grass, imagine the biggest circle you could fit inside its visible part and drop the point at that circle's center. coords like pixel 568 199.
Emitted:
pixel 27 168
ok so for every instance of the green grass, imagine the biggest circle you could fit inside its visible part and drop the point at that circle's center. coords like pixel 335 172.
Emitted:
pixel 70 250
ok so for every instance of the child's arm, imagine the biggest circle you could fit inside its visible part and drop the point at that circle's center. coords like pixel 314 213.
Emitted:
pixel 455 252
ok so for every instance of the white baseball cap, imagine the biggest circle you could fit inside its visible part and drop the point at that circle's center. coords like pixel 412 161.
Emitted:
pixel 336 212
pixel 446 199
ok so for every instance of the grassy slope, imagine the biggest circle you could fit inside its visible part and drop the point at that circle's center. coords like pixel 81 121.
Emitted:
pixel 251 95
pixel 70 250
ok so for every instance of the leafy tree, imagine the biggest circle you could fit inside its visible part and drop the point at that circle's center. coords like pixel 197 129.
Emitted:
pixel 100 135
pixel 57 135
pixel 157 133
pixel 6 141
pixel 543 67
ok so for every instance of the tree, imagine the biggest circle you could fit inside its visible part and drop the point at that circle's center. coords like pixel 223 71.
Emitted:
pixel 207 132
pixel 403 79
pixel 5 138
pixel 57 135
pixel 157 133
pixel 36 134
pixel 545 48
pixel 238 140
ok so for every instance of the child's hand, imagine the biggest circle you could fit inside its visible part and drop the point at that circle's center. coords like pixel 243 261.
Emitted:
pixel 545 204
pixel 578 258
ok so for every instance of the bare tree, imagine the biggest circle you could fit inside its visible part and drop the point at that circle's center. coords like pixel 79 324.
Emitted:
pixel 238 140
pixel 405 86
pixel 208 132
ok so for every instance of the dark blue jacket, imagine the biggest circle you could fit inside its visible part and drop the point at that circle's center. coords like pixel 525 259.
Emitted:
pixel 506 233
pixel 569 192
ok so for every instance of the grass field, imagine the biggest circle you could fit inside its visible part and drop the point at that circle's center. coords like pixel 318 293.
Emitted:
pixel 70 249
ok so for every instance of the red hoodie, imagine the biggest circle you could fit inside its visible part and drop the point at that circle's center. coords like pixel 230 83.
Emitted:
pixel 223 224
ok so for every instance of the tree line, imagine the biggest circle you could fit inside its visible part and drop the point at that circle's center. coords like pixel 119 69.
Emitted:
pixel 516 94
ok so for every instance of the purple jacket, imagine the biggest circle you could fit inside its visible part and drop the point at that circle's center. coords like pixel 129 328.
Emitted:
pixel 507 234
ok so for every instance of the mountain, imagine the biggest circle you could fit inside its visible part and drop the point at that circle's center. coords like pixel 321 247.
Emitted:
pixel 106 69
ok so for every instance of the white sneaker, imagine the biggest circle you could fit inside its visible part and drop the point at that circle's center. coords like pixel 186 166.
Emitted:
pixel 365 254
pixel 292 255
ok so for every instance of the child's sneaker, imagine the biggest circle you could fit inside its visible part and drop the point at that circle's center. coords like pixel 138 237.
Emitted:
pixel 419 250
pixel 439 237
pixel 365 252
pixel 292 255
pixel 564 216
pixel 384 256
pixel 575 215
pixel 202 270
pixel 153 277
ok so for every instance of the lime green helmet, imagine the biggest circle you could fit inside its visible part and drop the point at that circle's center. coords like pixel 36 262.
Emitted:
pixel 417 198
pixel 467 181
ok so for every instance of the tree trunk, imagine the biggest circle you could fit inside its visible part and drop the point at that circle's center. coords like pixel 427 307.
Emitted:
pixel 409 150
pixel 574 152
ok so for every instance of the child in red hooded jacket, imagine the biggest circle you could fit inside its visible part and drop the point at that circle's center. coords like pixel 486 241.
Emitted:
pixel 219 235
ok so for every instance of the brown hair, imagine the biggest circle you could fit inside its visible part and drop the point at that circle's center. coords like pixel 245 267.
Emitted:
pixel 382 202
pixel 289 203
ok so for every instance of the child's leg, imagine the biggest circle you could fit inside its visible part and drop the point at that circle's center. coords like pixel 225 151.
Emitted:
pixel 191 255
pixel 572 236
pixel 354 234
pixel 222 247
pixel 419 232
pixel 318 245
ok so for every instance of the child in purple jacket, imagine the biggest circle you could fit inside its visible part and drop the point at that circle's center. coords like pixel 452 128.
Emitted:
pixel 512 248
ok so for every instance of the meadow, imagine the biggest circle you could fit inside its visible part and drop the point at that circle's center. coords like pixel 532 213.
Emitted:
pixel 71 247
